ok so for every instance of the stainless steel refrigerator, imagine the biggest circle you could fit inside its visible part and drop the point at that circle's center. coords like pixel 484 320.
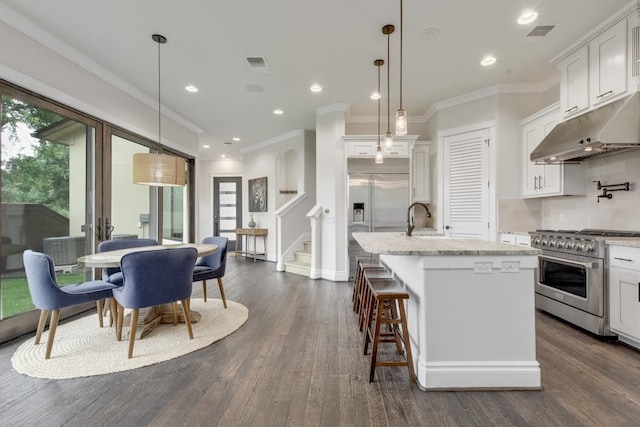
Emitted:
pixel 377 202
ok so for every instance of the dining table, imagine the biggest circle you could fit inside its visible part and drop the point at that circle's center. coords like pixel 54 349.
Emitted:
pixel 150 317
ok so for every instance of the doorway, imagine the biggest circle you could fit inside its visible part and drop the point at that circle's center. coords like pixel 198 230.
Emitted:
pixel 227 209
pixel 467 197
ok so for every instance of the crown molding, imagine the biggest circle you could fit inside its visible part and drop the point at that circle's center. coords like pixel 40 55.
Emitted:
pixel 27 27
pixel 274 140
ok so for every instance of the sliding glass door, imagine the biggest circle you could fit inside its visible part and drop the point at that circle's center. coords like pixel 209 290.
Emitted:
pixel 67 184
pixel 47 195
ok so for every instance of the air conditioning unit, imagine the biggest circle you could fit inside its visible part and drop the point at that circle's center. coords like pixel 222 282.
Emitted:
pixel 64 250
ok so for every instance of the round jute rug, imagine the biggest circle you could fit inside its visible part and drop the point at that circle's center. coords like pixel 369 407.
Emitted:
pixel 83 349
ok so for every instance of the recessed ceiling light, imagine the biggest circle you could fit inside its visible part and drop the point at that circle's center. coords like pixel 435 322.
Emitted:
pixel 254 88
pixel 588 148
pixel 527 17
pixel 206 146
pixel 429 34
pixel 223 156
pixel 315 88
pixel 191 88
pixel 375 96
pixel 488 60
pixel 278 112
pixel 235 138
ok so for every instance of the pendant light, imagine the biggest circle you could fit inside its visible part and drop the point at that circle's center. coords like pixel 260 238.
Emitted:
pixel 401 114
pixel 158 169
pixel 379 158
pixel 388 138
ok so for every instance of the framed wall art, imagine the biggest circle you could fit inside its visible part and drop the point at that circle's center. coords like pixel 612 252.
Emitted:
pixel 258 194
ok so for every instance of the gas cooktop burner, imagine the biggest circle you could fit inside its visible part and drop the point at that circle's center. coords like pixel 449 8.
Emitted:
pixel 594 232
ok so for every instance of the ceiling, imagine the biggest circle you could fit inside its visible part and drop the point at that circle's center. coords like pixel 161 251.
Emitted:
pixel 331 42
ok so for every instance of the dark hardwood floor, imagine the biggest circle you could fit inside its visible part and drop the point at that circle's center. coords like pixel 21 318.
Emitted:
pixel 297 361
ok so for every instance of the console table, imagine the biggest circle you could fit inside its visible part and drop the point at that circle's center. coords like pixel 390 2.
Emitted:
pixel 255 232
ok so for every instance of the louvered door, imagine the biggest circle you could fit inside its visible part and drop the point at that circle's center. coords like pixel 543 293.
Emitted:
pixel 466 184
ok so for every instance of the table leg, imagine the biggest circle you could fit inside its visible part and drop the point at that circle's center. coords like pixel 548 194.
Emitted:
pixel 254 248
pixel 150 318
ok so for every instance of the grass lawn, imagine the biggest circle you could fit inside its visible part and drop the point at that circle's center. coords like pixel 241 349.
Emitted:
pixel 16 297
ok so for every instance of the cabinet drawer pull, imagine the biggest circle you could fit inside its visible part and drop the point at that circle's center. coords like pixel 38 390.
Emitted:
pixel 607 93
pixel 363 152
pixel 575 107
pixel 535 182
pixel 638 291
pixel 623 259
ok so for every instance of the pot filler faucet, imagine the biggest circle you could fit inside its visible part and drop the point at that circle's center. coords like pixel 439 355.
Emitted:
pixel 411 226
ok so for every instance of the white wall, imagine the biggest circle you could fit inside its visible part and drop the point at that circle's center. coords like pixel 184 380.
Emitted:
pixel 331 183
pixel 618 213
pixel 261 162
pixel 206 171
pixel 33 66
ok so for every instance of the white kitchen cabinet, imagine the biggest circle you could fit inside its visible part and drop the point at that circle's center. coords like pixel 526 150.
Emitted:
pixel 547 180
pixel 597 72
pixel 365 146
pixel 420 172
pixel 624 293
pixel 608 65
pixel 516 239
pixel 574 83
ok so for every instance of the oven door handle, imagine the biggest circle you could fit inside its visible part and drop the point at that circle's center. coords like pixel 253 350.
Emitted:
pixel 567 262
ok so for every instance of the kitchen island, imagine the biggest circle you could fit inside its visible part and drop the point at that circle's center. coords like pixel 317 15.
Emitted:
pixel 471 310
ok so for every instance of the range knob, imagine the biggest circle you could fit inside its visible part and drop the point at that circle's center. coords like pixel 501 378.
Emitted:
pixel 589 248
pixel 579 247
pixel 570 245
pixel 536 241
pixel 544 242
pixel 561 244
pixel 552 243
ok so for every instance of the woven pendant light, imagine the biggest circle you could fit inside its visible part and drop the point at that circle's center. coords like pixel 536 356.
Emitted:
pixel 158 169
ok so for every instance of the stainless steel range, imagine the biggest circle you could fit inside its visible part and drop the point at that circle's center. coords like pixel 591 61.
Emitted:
pixel 572 276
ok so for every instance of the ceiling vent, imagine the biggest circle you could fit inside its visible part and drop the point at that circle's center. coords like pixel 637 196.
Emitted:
pixel 259 64
pixel 538 32
pixel 227 143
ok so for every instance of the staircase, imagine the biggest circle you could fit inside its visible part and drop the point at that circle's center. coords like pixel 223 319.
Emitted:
pixel 302 264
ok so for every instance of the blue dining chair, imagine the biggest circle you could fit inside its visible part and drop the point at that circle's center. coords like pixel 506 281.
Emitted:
pixel 212 266
pixel 114 274
pixel 47 295
pixel 153 278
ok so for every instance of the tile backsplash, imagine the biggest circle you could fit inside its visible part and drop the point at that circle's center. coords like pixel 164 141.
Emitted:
pixel 622 212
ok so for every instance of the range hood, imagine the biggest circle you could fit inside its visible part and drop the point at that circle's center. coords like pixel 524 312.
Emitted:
pixel 611 128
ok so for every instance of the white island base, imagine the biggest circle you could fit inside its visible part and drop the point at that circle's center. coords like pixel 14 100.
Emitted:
pixel 471 319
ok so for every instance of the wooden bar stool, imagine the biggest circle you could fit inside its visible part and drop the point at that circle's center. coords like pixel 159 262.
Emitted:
pixel 367 275
pixel 359 282
pixel 385 306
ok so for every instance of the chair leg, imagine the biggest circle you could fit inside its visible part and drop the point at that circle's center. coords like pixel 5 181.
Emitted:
pixel 174 306
pixel 113 313
pixel 119 321
pixel 187 317
pixel 55 315
pixel 204 289
pixel 132 330
pixel 41 323
pixel 99 309
pixel 224 300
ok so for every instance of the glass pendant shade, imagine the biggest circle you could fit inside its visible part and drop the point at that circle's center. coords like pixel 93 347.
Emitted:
pixel 160 170
pixel 388 141
pixel 379 157
pixel 401 122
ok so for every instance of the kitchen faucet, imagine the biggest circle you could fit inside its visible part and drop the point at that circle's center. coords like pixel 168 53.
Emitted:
pixel 411 226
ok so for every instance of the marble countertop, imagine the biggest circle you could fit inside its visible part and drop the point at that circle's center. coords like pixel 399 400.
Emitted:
pixel 396 243
pixel 632 242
